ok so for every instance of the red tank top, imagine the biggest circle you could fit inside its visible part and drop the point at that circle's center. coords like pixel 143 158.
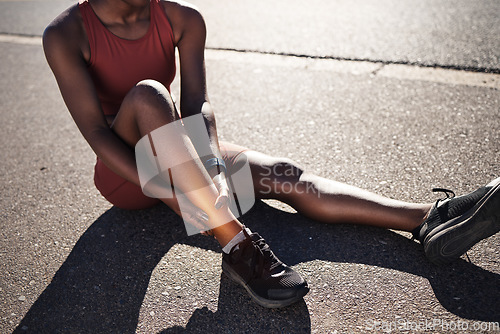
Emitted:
pixel 116 64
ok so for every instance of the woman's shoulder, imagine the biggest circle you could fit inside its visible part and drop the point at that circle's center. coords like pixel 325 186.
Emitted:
pixel 67 28
pixel 183 17
pixel 180 7
pixel 68 22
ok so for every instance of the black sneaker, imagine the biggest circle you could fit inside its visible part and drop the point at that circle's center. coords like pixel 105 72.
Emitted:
pixel 270 282
pixel 455 224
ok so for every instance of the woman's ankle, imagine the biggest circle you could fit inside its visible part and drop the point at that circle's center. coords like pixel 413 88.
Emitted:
pixel 227 232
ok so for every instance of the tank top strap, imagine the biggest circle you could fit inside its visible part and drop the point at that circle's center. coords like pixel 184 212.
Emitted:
pixel 163 24
pixel 92 23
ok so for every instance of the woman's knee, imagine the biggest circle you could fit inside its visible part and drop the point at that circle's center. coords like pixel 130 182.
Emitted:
pixel 285 168
pixel 277 178
pixel 151 97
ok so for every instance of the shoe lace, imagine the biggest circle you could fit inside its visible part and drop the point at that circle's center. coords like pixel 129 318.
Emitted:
pixel 449 193
pixel 263 255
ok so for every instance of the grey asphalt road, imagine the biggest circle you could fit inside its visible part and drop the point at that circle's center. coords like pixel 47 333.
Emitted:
pixel 459 34
pixel 72 263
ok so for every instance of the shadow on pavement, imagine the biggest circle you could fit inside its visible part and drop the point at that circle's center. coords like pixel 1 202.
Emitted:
pixel 236 313
pixel 102 284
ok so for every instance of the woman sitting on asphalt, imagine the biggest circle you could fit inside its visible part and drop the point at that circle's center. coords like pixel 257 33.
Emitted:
pixel 114 61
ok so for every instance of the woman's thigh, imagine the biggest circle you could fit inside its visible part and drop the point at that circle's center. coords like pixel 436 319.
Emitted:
pixel 119 191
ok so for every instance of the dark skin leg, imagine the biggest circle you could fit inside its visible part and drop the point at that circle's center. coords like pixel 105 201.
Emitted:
pixel 328 201
pixel 147 107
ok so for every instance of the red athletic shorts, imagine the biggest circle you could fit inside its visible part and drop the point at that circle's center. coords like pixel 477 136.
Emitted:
pixel 126 195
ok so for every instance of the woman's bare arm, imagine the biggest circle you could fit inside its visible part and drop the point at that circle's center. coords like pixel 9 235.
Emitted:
pixel 64 43
pixel 190 35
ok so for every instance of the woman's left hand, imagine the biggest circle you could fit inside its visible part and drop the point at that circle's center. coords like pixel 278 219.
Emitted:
pixel 221 184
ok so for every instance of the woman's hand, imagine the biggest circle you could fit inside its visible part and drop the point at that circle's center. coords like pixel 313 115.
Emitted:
pixel 192 215
pixel 221 184
pixel 198 217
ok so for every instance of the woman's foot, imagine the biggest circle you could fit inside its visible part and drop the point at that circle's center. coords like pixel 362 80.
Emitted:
pixel 455 224
pixel 269 282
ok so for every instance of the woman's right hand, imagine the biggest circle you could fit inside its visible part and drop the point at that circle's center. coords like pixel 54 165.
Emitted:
pixel 193 215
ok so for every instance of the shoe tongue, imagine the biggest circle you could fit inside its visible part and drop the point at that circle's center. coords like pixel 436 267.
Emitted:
pixel 235 248
pixel 442 202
